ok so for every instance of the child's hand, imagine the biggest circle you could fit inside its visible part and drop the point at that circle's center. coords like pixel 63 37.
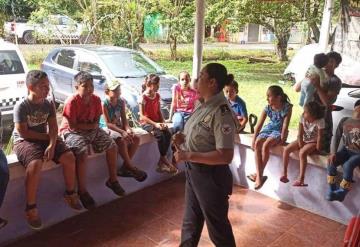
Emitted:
pixel 49 153
pixel 315 80
pixel 178 139
pixel 158 125
pixel 332 158
pixel 163 126
pixel 127 137
pixel 301 143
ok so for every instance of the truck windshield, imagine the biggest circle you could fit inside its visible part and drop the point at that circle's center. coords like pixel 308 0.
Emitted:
pixel 10 63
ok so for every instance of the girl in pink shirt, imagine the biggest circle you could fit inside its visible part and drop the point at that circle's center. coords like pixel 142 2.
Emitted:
pixel 183 102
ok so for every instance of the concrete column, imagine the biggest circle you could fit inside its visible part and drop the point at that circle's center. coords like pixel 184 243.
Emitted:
pixel 325 25
pixel 198 38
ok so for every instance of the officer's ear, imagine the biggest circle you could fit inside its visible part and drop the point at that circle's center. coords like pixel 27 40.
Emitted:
pixel 213 83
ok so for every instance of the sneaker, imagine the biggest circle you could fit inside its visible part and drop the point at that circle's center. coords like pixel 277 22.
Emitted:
pixel 73 201
pixel 115 187
pixel 33 219
pixel 161 168
pixel 135 172
pixel 86 200
pixel 3 223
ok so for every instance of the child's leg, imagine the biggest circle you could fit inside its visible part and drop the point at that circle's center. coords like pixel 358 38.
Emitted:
pixel 350 165
pixel 340 158
pixel 111 159
pixel 303 154
pixel 67 160
pixel 346 183
pixel 164 141
pixel 133 146
pixel 81 172
pixel 101 142
pixel 33 170
pixel 177 121
pixel 270 142
pixel 258 159
pixel 124 152
pixel 288 149
pixel 79 145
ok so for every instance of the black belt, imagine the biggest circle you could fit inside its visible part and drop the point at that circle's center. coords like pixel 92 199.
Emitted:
pixel 204 167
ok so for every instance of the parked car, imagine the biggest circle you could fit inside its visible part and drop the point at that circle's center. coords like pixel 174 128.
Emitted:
pixel 54 27
pixel 105 63
pixel 13 71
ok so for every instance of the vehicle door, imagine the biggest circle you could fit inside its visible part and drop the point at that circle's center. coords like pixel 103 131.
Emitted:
pixel 86 61
pixel 62 74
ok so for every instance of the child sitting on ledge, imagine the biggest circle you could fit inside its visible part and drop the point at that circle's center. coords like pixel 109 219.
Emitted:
pixel 349 156
pixel 309 139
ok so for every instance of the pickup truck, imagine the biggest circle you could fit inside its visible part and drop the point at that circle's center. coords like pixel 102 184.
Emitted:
pixel 54 27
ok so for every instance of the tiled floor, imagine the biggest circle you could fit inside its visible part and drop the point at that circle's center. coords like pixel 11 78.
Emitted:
pixel 152 217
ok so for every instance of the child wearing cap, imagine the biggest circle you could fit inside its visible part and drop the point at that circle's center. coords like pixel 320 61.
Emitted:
pixel 114 122
pixel 349 156
pixel 80 128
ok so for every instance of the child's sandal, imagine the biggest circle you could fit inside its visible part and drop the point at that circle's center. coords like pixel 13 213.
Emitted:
pixel 298 183
pixel 284 179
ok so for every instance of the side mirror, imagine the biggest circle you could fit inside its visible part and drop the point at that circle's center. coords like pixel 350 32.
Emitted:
pixel 99 77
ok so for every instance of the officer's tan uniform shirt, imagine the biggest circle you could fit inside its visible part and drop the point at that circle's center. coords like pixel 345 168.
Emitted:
pixel 211 126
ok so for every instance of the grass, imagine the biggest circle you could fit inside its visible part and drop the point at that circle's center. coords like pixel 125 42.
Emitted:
pixel 253 78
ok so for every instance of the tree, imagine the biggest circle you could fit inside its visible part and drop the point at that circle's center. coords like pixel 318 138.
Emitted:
pixel 124 26
pixel 178 16
pixel 278 17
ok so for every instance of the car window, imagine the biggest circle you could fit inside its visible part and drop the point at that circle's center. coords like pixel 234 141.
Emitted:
pixel 87 62
pixel 129 64
pixel 10 63
pixel 66 58
pixel 65 21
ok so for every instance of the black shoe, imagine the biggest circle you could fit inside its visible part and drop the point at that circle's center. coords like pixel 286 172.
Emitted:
pixel 87 201
pixel 136 173
pixel 115 187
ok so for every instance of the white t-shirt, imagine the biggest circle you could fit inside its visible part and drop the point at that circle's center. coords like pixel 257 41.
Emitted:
pixel 311 129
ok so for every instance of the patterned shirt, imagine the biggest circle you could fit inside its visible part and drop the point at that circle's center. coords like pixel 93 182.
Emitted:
pixel 349 130
pixel 35 115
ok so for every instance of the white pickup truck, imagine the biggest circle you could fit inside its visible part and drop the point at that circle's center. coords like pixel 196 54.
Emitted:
pixel 54 27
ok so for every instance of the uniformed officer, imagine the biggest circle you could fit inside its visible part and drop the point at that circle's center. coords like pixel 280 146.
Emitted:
pixel 207 147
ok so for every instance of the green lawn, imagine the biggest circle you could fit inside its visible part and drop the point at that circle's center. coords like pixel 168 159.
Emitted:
pixel 253 79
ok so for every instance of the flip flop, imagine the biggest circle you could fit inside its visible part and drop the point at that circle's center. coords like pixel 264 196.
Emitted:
pixel 297 183
pixel 263 180
pixel 251 177
pixel 284 179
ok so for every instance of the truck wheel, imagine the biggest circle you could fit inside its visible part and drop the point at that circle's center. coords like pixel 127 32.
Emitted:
pixel 29 37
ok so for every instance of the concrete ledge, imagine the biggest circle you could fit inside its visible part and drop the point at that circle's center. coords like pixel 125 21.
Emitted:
pixel 51 205
pixel 311 198
pixel 314 159
pixel 17 170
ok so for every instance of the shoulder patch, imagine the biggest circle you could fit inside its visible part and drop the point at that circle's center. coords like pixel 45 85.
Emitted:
pixel 226 129
pixel 224 109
